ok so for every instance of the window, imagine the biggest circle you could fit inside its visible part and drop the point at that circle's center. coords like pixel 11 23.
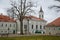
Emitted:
pixel 59 28
pixel 5 31
pixel 40 27
pixel 54 28
pixel 44 27
pixel 42 16
pixel 1 31
pixel 36 26
pixel 10 25
pixel 2 25
pixel 49 28
pixel 6 25
pixel 14 25
pixel 25 26
pixel 32 26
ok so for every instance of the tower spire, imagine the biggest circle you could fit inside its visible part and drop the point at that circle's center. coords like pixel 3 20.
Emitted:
pixel 41 13
pixel 41 9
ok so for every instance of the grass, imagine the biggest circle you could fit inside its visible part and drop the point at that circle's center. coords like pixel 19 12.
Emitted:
pixel 31 38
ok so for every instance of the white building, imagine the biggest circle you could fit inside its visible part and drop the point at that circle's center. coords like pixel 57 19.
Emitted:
pixel 7 25
pixel 32 24
pixel 53 28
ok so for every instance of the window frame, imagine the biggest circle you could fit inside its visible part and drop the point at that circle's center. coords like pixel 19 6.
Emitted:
pixel 32 26
pixel 10 25
pixel 6 25
pixel 40 26
pixel 36 26
pixel 2 25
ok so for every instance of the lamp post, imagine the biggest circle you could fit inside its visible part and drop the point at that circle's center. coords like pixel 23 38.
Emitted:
pixel 8 31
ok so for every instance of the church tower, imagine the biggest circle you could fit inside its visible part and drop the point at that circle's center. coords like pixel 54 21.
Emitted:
pixel 41 13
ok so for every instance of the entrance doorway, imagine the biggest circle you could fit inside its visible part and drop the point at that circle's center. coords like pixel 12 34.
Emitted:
pixel 13 31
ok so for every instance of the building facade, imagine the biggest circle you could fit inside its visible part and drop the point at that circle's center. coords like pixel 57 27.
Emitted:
pixel 32 24
pixel 7 25
pixel 53 28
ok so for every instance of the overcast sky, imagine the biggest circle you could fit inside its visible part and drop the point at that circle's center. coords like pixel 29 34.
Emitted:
pixel 49 14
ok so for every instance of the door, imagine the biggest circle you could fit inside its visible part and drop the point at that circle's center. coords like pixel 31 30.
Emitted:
pixel 13 31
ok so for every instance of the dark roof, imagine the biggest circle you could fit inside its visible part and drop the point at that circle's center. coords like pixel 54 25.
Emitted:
pixel 41 9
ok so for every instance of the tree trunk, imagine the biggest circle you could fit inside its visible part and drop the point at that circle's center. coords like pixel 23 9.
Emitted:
pixel 21 27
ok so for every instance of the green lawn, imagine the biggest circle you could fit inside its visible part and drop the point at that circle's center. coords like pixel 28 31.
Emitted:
pixel 31 38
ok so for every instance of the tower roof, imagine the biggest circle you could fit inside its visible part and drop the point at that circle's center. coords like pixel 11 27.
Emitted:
pixel 41 9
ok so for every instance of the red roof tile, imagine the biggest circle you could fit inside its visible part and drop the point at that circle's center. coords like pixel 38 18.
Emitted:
pixel 55 23
pixel 35 18
pixel 4 18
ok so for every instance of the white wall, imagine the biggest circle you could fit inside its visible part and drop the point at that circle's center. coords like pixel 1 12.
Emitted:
pixel 52 30
pixel 6 25
pixel 29 27
pixel 34 22
pixel 18 26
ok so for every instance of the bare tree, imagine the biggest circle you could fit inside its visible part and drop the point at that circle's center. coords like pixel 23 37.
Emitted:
pixel 10 12
pixel 57 0
pixel 55 6
pixel 22 7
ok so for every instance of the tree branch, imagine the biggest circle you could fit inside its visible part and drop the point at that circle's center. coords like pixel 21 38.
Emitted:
pixel 57 0
pixel 24 6
pixel 54 6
